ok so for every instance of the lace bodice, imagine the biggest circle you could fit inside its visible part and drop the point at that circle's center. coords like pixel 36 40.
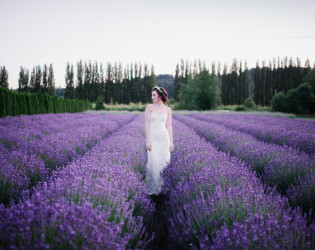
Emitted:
pixel 157 122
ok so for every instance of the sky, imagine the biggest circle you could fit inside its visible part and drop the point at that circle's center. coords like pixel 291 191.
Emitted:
pixel 156 32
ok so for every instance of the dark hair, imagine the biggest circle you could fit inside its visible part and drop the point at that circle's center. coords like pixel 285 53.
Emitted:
pixel 161 92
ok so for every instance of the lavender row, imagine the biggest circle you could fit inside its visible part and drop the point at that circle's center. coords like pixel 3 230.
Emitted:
pixel 290 171
pixel 95 202
pixel 215 202
pixel 278 130
pixel 32 147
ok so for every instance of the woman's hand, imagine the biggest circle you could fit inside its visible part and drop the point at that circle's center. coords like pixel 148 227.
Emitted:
pixel 171 147
pixel 149 146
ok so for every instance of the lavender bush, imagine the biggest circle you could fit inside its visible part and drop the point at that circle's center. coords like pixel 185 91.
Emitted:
pixel 298 134
pixel 278 166
pixel 215 202
pixel 33 146
pixel 95 202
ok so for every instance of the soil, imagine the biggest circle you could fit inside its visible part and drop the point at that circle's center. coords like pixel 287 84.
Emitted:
pixel 157 225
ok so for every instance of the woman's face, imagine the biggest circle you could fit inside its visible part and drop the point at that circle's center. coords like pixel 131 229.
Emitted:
pixel 155 97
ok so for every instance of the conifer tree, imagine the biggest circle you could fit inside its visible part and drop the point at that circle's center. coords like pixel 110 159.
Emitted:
pixel 257 80
pixel 177 83
pixel 245 84
pixel 224 86
pixel 51 81
pixel 87 80
pixel 23 80
pixel 79 91
pixel 38 79
pixel 4 78
pixel 45 79
pixel 109 84
pixel 69 91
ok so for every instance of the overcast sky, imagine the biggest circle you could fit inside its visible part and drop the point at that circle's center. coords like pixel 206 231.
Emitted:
pixel 158 32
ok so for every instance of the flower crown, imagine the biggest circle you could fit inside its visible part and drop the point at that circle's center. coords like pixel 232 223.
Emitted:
pixel 158 89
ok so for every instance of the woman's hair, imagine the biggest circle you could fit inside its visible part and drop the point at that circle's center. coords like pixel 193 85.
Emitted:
pixel 161 92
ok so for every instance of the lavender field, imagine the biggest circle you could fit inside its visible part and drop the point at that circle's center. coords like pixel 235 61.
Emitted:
pixel 77 181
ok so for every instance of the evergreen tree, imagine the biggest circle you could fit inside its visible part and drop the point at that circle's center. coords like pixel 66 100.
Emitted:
pixel 51 81
pixel 33 81
pixel 239 92
pixel 101 89
pixel 177 83
pixel 257 80
pixel 38 79
pixel 245 84
pixel 69 91
pixel 153 78
pixel 79 91
pixel 262 92
pixel 268 85
pixel 87 81
pixel 23 80
pixel 225 86
pixel 4 78
pixel 45 79
pixel 233 81
pixel 109 84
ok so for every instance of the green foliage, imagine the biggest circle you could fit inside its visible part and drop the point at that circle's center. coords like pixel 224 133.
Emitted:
pixel 99 103
pixel 240 108
pixel 299 100
pixel 4 76
pixel 279 102
pixel 201 92
pixel 310 79
pixel 249 103
pixel 13 104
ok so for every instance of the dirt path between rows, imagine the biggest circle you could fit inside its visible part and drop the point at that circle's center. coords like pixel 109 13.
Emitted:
pixel 157 226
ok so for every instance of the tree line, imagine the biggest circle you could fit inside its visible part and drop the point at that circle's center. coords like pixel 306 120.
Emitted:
pixel 268 80
pixel 40 80
pixel 114 83
pixel 278 76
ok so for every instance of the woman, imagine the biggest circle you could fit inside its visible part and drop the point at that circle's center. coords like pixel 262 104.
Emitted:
pixel 159 139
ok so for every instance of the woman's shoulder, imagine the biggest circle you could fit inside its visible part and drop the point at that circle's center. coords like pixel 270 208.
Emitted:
pixel 168 109
pixel 149 107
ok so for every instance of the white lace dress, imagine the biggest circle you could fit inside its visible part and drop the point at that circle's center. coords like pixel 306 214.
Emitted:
pixel 159 156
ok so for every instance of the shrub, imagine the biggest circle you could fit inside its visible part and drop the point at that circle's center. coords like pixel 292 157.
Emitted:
pixel 249 103
pixel 301 100
pixel 240 108
pixel 279 102
pixel 99 103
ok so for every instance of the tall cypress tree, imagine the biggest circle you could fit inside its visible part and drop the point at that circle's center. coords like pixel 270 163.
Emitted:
pixel 33 81
pixel 38 79
pixel 4 78
pixel 268 85
pixel 109 84
pixel 69 91
pixel 87 80
pixel 257 80
pixel 23 80
pixel 51 81
pixel 45 79
pixel 101 89
pixel 79 91
pixel 245 83
pixel 177 83
pixel 225 86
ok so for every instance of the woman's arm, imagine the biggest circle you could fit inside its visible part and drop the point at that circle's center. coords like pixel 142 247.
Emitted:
pixel 170 129
pixel 147 127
